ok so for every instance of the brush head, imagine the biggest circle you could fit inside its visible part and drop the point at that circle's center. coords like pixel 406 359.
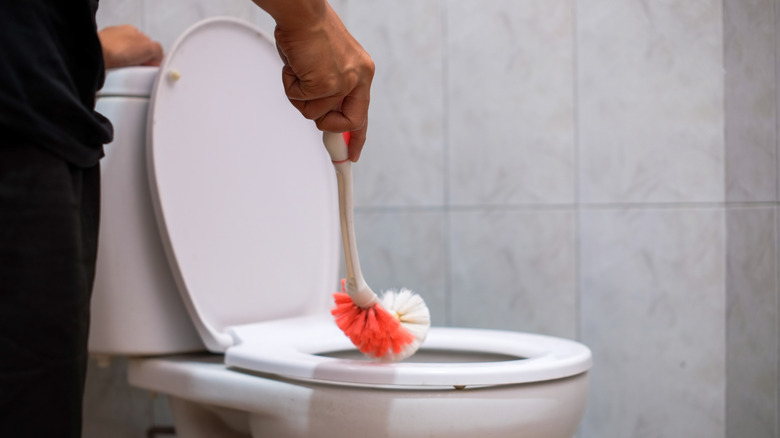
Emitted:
pixel 389 331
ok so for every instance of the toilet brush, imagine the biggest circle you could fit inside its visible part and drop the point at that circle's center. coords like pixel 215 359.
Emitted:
pixel 388 329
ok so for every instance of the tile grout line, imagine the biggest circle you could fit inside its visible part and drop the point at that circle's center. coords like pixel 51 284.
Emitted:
pixel 776 20
pixel 580 206
pixel 576 172
pixel 144 18
pixel 446 210
pixel 577 158
pixel 775 16
pixel 777 324
pixel 776 228
pixel 725 194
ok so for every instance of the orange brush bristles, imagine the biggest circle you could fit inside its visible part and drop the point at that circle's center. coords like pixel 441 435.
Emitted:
pixel 373 330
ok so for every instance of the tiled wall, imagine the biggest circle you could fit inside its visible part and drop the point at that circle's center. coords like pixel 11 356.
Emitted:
pixel 604 170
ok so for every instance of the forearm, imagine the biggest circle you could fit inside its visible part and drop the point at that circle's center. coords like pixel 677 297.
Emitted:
pixel 294 14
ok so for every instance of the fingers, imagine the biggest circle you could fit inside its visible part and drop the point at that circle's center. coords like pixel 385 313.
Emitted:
pixel 336 113
pixel 317 109
pixel 309 86
pixel 334 109
pixel 334 120
pixel 153 55
pixel 314 106
pixel 356 143
pixel 351 117
pixel 356 109
pixel 125 46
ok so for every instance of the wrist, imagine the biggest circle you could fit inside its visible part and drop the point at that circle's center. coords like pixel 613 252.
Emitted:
pixel 292 15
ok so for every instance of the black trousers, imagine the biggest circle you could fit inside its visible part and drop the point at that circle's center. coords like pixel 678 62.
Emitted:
pixel 49 213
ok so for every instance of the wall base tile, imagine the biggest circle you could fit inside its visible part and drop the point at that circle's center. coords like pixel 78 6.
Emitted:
pixel 752 321
pixel 113 408
pixel 652 306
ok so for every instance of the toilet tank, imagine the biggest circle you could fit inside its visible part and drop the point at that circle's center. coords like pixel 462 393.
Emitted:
pixel 136 307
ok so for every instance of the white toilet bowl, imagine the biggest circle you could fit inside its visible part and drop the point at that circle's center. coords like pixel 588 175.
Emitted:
pixel 209 402
pixel 243 196
pixel 462 383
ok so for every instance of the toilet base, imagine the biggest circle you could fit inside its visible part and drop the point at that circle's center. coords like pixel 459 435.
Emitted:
pixel 195 420
pixel 211 400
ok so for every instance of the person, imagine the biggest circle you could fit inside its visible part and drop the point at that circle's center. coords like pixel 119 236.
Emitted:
pixel 51 65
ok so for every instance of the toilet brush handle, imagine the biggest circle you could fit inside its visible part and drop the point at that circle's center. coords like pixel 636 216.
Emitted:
pixel 356 286
pixel 336 144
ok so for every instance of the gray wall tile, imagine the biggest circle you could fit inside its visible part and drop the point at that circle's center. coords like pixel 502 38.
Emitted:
pixel 403 160
pixel 115 12
pixel 751 323
pixel 514 270
pixel 510 95
pixel 777 95
pixel 405 249
pixel 652 306
pixel 650 101
pixel 750 100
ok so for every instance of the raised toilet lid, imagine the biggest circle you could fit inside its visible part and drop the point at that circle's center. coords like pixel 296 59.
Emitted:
pixel 243 189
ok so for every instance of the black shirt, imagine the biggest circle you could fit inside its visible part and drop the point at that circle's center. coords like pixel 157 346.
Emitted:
pixel 51 66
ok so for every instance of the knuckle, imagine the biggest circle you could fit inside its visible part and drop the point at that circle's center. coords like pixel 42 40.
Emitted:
pixel 329 84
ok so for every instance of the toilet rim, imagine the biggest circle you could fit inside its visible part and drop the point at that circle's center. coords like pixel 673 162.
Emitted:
pixel 293 348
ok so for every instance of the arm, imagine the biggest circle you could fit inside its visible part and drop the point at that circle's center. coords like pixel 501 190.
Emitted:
pixel 327 74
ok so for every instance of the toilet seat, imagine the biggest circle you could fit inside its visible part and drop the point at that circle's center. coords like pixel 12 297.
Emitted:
pixel 294 348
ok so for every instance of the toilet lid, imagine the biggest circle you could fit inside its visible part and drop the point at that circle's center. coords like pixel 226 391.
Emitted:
pixel 243 190
pixel 313 348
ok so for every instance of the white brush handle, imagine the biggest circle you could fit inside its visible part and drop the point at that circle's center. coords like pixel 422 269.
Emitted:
pixel 356 286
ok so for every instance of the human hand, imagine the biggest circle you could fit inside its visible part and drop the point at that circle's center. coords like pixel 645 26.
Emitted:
pixel 125 45
pixel 327 75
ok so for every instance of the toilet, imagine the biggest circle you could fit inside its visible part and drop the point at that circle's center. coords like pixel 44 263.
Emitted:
pixel 220 250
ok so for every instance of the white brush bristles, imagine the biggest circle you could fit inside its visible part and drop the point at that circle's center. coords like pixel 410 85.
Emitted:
pixel 411 311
